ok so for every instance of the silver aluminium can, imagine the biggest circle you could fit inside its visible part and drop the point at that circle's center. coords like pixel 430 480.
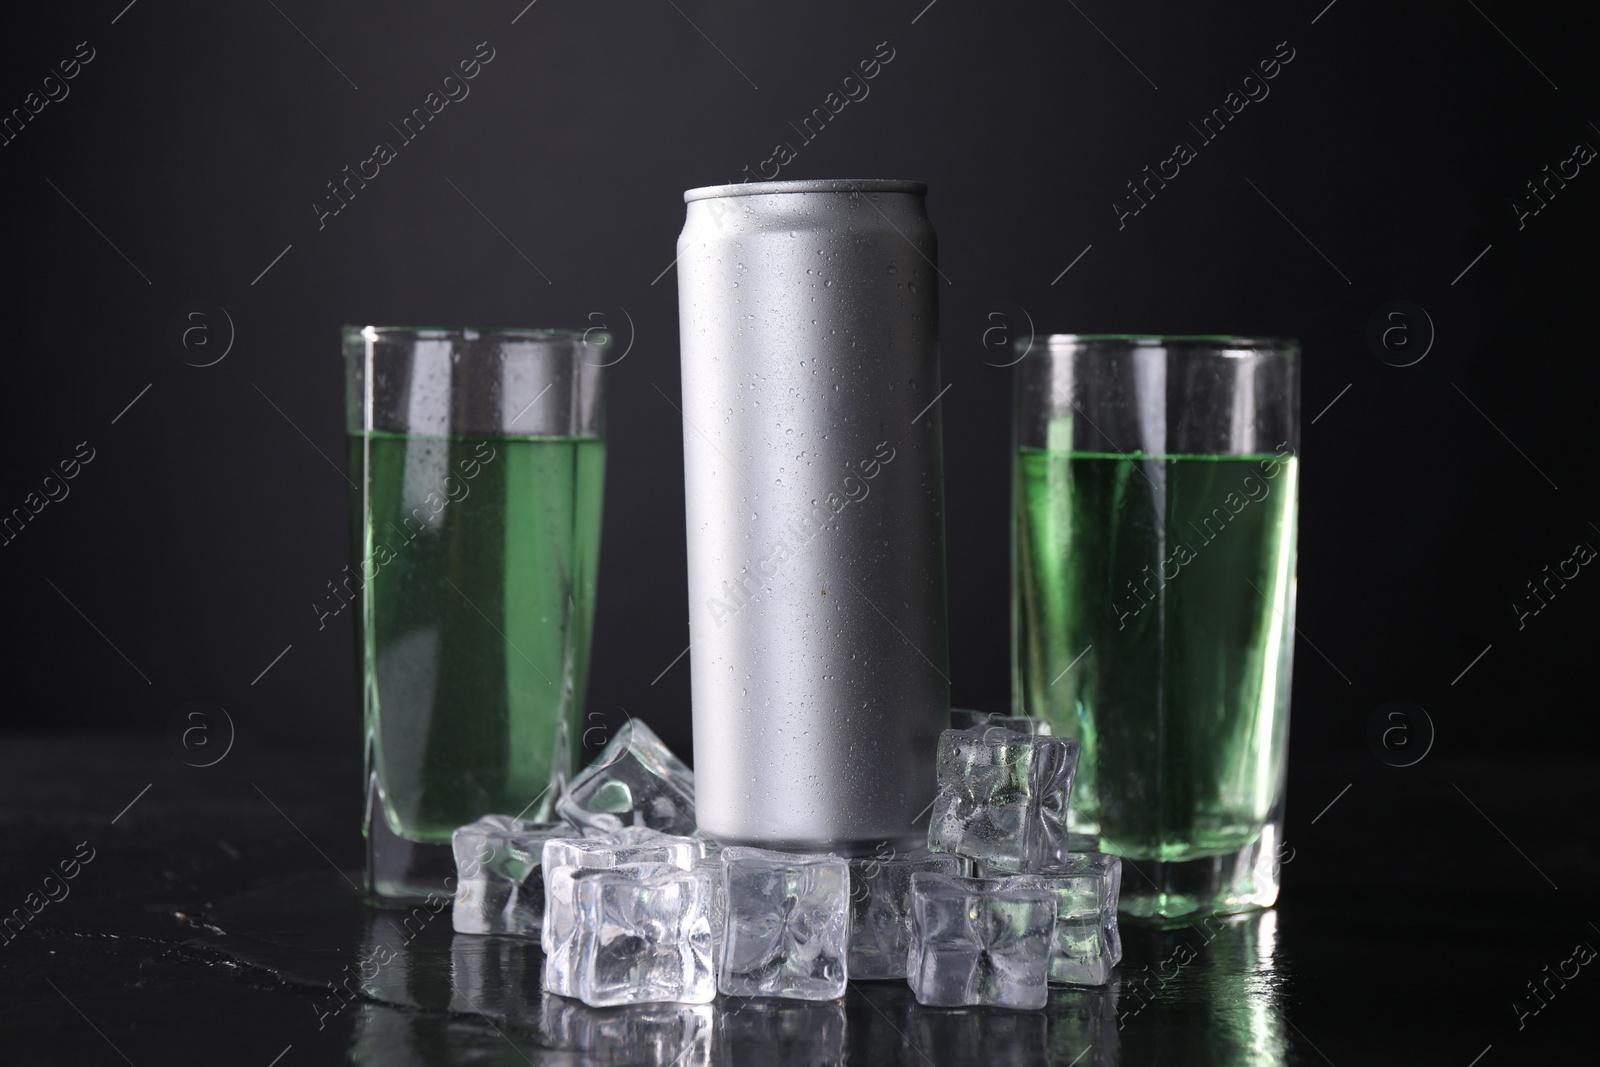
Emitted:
pixel 814 480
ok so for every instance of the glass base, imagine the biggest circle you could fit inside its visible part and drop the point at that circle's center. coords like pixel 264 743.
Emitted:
pixel 1157 892
pixel 401 872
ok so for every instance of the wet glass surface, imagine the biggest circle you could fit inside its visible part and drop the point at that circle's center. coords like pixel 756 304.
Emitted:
pixel 216 920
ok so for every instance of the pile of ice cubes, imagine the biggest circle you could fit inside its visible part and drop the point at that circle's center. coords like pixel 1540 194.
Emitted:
pixel 1036 911
pixel 633 906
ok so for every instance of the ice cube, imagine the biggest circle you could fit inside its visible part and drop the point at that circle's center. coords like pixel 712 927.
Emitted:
pixel 711 865
pixel 1079 953
pixel 788 924
pixel 643 935
pixel 631 844
pixel 1002 797
pixel 635 781
pixel 560 937
pixel 1106 872
pixel 880 909
pixel 499 887
pixel 967 719
pixel 653 1035
pixel 980 942
pixel 569 933
pixel 1087 943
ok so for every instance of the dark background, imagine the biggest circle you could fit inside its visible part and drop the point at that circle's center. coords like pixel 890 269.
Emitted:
pixel 192 147
pixel 1420 902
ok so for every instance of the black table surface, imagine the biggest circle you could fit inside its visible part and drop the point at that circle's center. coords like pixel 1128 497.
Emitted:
pixel 1443 913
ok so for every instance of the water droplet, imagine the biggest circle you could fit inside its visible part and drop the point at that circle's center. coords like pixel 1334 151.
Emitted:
pixel 892 269
pixel 912 286
pixel 828 283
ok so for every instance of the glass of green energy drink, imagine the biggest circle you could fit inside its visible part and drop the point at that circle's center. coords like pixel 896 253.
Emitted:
pixel 477 460
pixel 1153 595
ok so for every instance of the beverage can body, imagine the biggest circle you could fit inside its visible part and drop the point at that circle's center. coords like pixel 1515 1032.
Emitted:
pixel 815 512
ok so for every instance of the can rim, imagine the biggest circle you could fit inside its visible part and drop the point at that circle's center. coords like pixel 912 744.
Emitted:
pixel 818 185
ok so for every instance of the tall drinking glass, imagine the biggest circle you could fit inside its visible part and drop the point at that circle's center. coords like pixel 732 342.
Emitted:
pixel 478 461
pixel 1156 493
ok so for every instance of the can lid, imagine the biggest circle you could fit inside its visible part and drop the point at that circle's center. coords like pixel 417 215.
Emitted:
pixel 823 185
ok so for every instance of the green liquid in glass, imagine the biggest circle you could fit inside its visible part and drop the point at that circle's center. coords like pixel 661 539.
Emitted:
pixel 474 634
pixel 1173 577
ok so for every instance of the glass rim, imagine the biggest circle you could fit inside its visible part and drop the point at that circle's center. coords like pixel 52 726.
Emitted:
pixel 466 333
pixel 1286 346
